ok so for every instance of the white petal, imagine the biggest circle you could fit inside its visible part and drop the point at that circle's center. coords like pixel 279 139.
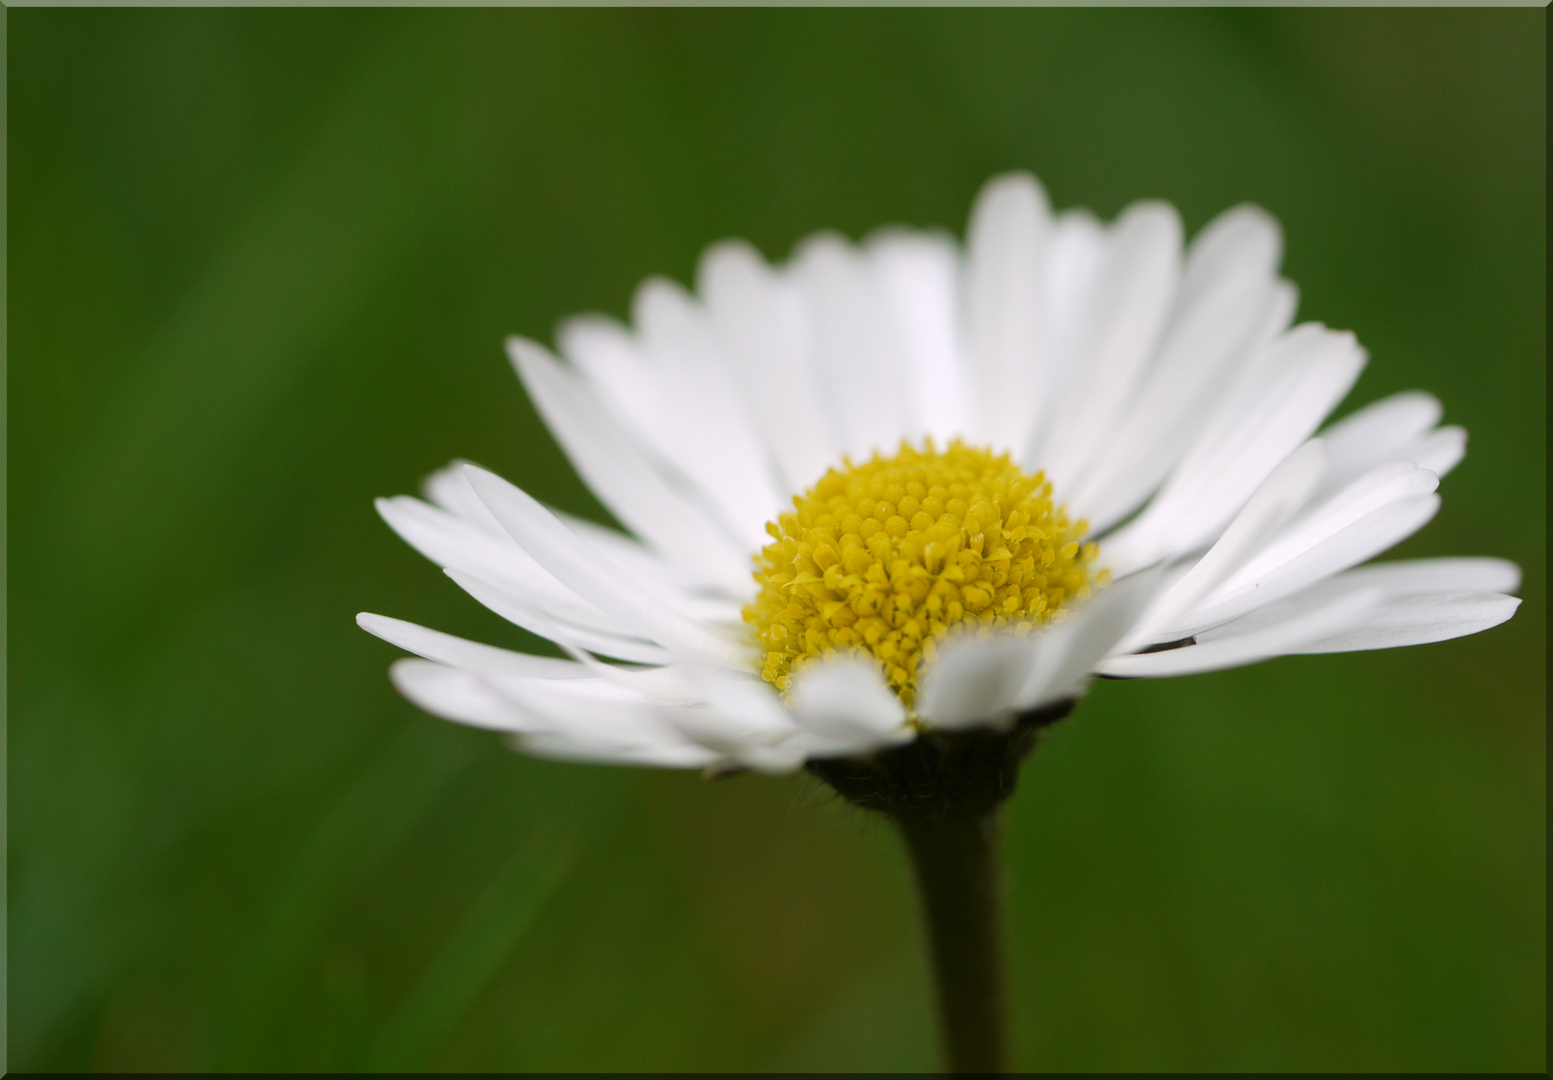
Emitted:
pixel 764 329
pixel 1132 301
pixel 1348 546
pixel 702 420
pixel 742 719
pixel 1370 436
pixel 1247 648
pixel 1230 304
pixel 1281 495
pixel 847 700
pixel 1006 250
pixel 748 706
pixel 857 345
pixel 597 718
pixel 449 489
pixel 1381 487
pixel 555 547
pixel 668 584
pixel 658 755
pixel 1418 620
pixel 1397 428
pixel 457 652
pixel 610 360
pixel 664 683
pixel 920 277
pixel 1077 255
pixel 1068 659
pixel 1301 377
pixel 673 392
pixel 1244 243
pixel 976 680
pixel 458 695
pixel 455 543
pixel 1398 582
pixel 1280 313
pixel 1440 451
pixel 617 472
pixel 515 610
pixel 449 543
pixel 1412 577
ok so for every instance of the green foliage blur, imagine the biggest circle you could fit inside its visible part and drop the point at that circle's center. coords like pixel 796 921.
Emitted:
pixel 261 266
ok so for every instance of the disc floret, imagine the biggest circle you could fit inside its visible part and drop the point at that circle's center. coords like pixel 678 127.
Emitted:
pixel 888 557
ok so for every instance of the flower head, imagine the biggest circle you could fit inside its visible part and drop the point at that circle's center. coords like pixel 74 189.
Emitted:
pixel 905 488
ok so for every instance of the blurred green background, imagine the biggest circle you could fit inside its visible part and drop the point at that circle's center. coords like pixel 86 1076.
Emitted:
pixel 261 267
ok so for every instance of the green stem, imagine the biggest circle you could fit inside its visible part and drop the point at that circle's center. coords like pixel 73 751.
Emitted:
pixel 944 789
pixel 956 861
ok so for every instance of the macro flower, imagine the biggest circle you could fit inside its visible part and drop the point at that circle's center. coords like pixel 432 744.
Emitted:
pixel 908 486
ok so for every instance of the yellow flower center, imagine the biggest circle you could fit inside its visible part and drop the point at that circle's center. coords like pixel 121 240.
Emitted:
pixel 885 558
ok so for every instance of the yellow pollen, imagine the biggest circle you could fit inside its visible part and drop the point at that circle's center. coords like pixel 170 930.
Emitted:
pixel 885 558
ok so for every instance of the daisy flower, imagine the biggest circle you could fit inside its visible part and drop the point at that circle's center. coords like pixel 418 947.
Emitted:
pixel 903 489
pixel 892 506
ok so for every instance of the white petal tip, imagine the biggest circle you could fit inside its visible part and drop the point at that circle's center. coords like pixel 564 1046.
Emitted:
pixel 847 700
